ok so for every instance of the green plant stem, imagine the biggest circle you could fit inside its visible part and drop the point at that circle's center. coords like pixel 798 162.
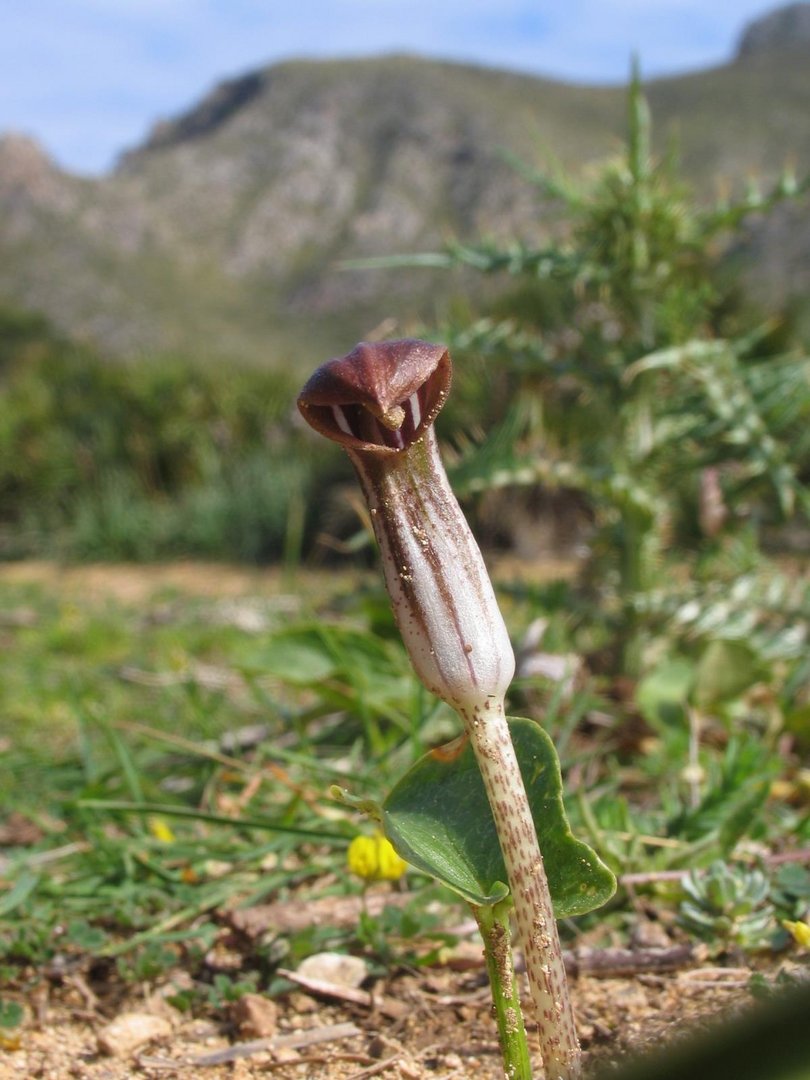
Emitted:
pixel 534 915
pixel 178 811
pixel 636 534
pixel 493 922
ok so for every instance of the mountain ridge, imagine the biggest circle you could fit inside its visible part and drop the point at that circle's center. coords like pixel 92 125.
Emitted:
pixel 220 235
pixel 786 27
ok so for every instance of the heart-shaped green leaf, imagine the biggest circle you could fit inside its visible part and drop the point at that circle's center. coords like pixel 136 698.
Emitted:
pixel 438 819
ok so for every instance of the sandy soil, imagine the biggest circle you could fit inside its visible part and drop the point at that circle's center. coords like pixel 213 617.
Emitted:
pixel 431 1023
pixel 445 1030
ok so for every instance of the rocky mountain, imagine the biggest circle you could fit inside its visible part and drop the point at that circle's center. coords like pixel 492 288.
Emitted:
pixel 223 234
pixel 787 28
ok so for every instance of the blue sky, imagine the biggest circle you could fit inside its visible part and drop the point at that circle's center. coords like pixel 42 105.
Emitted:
pixel 87 78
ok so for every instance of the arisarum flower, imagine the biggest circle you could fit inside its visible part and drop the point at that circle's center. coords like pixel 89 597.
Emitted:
pixel 379 402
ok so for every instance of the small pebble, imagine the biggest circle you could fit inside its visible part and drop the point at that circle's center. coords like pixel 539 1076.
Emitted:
pixel 649 934
pixel 631 996
pixel 335 968
pixel 223 959
pixel 286 1054
pixel 255 1016
pixel 122 1036
pixel 302 1003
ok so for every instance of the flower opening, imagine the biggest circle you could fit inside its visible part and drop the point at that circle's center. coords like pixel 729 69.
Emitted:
pixel 381 397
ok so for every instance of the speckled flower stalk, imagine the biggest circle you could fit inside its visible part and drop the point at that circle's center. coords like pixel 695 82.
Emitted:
pixel 380 402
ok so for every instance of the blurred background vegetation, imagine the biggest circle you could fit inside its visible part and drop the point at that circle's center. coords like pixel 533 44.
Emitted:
pixel 619 363
pixel 153 459
pixel 620 402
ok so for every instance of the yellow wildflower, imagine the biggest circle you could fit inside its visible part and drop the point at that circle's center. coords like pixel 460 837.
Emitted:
pixel 800 932
pixel 160 830
pixel 374 859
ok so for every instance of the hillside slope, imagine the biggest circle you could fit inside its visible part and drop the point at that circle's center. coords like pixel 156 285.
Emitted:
pixel 222 234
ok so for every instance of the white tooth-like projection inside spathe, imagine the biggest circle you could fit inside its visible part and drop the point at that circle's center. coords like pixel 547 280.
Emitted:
pixel 359 422
pixel 416 411
pixel 341 421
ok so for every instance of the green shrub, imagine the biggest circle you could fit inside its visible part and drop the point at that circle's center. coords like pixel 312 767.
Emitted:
pixel 149 460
